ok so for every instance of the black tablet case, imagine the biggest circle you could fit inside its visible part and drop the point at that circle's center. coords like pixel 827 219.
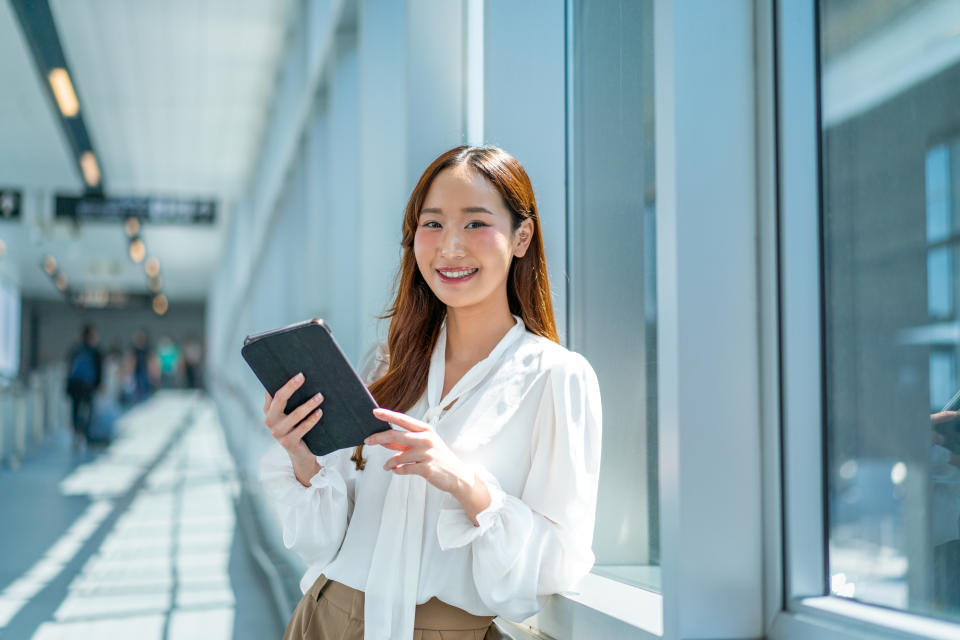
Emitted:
pixel 278 355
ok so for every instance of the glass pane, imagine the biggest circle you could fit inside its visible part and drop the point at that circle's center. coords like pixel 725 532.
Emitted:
pixel 891 134
pixel 613 297
pixel 940 282
pixel 937 173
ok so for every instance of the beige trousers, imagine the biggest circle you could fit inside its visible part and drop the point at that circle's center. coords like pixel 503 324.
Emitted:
pixel 333 611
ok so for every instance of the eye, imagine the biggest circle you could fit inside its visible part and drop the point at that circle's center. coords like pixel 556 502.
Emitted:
pixel 431 222
pixel 479 224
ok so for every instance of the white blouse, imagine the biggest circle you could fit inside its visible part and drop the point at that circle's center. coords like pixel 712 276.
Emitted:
pixel 528 419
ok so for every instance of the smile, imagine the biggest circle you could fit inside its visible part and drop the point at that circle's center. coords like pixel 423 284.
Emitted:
pixel 456 275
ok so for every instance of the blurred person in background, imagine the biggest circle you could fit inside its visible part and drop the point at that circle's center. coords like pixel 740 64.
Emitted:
pixel 127 383
pixel 106 401
pixel 142 384
pixel 192 352
pixel 168 358
pixel 84 376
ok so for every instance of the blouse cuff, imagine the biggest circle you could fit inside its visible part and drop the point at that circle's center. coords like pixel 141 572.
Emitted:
pixel 455 529
pixel 277 474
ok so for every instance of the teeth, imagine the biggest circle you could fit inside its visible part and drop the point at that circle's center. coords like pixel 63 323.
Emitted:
pixel 458 274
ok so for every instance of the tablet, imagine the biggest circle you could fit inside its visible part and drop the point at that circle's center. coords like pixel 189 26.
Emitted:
pixel 277 355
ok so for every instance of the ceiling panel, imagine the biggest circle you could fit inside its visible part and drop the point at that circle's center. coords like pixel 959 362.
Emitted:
pixel 175 92
pixel 33 150
pixel 174 95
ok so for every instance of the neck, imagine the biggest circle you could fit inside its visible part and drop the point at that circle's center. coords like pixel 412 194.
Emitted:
pixel 473 333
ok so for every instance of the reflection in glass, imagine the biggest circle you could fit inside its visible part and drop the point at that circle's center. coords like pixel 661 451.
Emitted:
pixel 890 112
pixel 612 294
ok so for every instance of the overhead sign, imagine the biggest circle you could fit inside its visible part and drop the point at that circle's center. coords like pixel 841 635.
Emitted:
pixel 161 210
pixel 9 204
pixel 102 299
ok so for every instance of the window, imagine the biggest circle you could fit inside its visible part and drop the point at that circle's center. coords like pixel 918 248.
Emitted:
pixel 613 298
pixel 890 120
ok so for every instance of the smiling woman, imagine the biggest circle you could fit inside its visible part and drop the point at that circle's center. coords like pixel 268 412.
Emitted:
pixel 473 240
pixel 480 502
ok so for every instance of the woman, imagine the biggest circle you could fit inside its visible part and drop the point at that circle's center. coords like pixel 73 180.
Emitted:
pixel 481 501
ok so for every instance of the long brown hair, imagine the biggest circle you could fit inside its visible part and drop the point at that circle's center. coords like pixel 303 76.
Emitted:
pixel 417 314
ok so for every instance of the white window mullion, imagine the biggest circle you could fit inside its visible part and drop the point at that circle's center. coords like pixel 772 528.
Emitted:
pixel 800 301
pixel 710 496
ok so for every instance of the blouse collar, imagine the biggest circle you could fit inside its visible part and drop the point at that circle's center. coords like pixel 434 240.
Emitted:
pixel 471 378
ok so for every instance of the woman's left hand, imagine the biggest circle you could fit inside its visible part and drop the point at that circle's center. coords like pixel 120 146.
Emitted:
pixel 424 453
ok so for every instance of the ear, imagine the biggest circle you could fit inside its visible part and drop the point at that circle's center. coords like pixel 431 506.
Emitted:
pixel 522 237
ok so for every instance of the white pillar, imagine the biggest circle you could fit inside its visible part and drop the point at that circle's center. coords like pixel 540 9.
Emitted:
pixel 341 231
pixel 524 113
pixel 383 171
pixel 710 497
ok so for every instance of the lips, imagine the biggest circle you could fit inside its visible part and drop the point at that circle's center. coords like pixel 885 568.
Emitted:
pixel 457 275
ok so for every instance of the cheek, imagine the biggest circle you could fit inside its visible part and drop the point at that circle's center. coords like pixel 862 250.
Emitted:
pixel 490 241
pixel 422 244
pixel 497 246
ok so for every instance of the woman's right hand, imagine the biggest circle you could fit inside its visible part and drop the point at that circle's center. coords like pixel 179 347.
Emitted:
pixel 289 430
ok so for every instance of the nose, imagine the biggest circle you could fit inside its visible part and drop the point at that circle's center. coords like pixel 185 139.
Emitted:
pixel 451 245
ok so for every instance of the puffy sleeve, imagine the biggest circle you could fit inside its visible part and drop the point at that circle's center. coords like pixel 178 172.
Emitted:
pixel 530 546
pixel 314 518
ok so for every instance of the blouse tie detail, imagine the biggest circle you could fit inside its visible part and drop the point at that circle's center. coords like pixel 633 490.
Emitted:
pixel 390 598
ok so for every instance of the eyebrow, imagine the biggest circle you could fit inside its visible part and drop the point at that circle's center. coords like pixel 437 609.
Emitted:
pixel 464 210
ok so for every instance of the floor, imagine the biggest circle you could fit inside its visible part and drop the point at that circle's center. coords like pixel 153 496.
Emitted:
pixel 138 539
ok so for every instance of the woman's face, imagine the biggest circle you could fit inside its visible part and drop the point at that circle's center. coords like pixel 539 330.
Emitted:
pixel 465 242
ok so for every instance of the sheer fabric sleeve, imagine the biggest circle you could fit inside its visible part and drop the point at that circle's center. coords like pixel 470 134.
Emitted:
pixel 373 364
pixel 315 518
pixel 530 546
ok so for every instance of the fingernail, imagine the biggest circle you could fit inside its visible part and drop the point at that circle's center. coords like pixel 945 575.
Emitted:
pixel 300 377
pixel 318 397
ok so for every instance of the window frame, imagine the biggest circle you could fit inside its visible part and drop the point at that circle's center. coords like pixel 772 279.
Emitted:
pixel 808 610
pixel 711 558
pixel 599 607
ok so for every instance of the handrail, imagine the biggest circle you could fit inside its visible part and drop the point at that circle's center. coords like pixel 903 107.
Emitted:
pixel 31 408
pixel 252 531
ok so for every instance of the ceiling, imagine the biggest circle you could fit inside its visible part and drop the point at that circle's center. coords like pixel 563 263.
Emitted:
pixel 174 95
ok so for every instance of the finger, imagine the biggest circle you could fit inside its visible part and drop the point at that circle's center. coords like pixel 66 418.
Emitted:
pixel 301 412
pixel 391 436
pixel 296 434
pixel 401 420
pixel 411 470
pixel 266 404
pixel 290 422
pixel 283 393
pixel 408 457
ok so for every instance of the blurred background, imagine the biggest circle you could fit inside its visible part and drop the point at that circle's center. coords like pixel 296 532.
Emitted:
pixel 177 175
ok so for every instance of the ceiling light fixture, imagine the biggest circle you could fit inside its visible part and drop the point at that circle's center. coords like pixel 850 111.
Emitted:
pixel 160 304
pixel 156 284
pixel 60 281
pixel 3 248
pixel 90 168
pixel 152 267
pixel 42 39
pixel 49 265
pixel 131 226
pixel 137 250
pixel 63 92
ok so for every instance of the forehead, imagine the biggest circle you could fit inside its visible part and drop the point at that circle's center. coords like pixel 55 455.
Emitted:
pixel 462 186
